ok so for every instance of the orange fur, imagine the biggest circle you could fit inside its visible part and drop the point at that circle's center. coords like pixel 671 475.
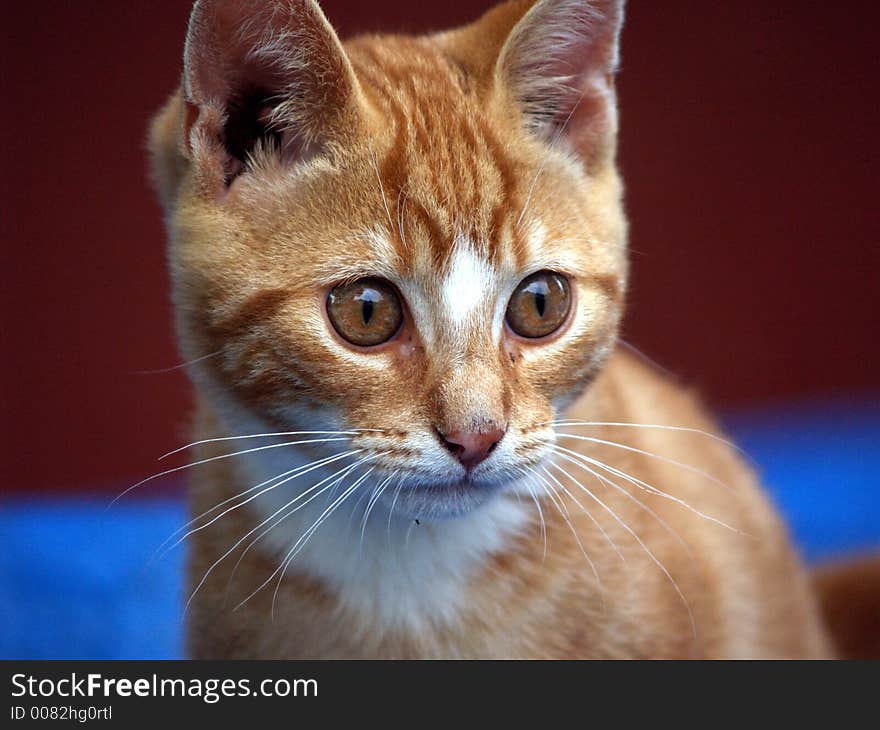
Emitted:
pixel 436 162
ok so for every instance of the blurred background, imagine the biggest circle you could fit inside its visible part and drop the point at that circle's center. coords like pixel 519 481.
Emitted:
pixel 749 147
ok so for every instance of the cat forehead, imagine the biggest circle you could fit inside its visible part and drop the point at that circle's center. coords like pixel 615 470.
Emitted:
pixel 444 156
pixel 463 265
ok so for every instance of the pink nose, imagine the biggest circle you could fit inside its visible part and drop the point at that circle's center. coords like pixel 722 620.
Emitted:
pixel 471 447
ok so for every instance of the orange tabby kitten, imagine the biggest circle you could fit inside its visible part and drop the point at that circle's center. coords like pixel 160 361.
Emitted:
pixel 399 265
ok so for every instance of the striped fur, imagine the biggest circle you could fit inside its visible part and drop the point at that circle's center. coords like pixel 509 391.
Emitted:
pixel 448 165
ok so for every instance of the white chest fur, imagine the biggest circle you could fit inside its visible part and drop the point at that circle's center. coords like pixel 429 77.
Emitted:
pixel 395 573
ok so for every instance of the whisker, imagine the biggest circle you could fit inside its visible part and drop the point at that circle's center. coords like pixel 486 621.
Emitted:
pixel 546 156
pixel 651 454
pixel 644 547
pixel 179 366
pixel 217 562
pixel 339 476
pixel 284 480
pixel 635 350
pixel 381 188
pixel 566 515
pixel 614 485
pixel 217 458
pixel 651 489
pixel 374 498
pixel 302 469
pixel 391 511
pixel 401 212
pixel 541 515
pixel 301 543
pixel 627 424
pixel 365 494
pixel 586 512
pixel 592 240
pixel 351 432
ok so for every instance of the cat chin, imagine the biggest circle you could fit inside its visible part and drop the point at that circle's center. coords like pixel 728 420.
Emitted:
pixel 441 502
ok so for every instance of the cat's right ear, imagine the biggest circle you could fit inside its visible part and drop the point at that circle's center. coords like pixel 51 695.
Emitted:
pixel 262 76
pixel 559 61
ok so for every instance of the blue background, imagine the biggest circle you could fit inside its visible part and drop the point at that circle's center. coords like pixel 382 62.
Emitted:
pixel 77 580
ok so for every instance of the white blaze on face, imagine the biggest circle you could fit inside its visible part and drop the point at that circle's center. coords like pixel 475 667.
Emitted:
pixel 467 285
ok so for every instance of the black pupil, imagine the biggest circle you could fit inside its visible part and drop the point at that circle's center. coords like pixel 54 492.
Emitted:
pixel 539 290
pixel 368 299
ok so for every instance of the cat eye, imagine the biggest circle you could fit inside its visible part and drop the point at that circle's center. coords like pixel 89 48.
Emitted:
pixel 539 305
pixel 366 312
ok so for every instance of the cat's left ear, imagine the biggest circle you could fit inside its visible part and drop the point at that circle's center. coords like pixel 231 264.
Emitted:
pixel 559 63
pixel 260 72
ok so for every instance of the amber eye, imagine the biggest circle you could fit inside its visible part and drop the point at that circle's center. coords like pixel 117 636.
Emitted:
pixel 539 305
pixel 366 312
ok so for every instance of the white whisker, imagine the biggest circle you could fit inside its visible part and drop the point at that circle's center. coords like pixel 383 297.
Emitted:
pixel 546 156
pixel 381 188
pixel 635 350
pixel 401 212
pixel 561 507
pixel 541 516
pixel 217 562
pixel 374 498
pixel 337 477
pixel 284 480
pixel 391 510
pixel 648 488
pixel 614 485
pixel 641 543
pixel 586 512
pixel 217 458
pixel 179 366
pixel 303 540
pixel 615 444
pixel 351 432
pixel 626 424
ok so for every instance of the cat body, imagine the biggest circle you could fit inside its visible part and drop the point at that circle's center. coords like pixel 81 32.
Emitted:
pixel 399 267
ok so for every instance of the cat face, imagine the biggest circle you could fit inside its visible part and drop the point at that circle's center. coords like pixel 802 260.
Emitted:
pixel 417 241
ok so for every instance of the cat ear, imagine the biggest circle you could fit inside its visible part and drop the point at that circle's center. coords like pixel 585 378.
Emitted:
pixel 263 74
pixel 559 62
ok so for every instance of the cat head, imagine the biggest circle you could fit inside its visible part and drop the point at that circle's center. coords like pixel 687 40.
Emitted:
pixel 416 240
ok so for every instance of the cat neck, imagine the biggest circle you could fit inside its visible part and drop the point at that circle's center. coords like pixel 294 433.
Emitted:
pixel 402 573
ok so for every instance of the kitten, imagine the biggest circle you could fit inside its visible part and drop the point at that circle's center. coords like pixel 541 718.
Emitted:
pixel 404 259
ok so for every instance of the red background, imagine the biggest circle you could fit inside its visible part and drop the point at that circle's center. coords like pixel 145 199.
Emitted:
pixel 748 142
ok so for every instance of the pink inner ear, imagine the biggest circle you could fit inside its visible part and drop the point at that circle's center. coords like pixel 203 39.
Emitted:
pixel 228 90
pixel 222 35
pixel 245 60
pixel 295 148
pixel 560 60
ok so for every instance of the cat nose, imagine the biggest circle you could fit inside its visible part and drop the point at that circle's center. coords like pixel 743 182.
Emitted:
pixel 471 447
